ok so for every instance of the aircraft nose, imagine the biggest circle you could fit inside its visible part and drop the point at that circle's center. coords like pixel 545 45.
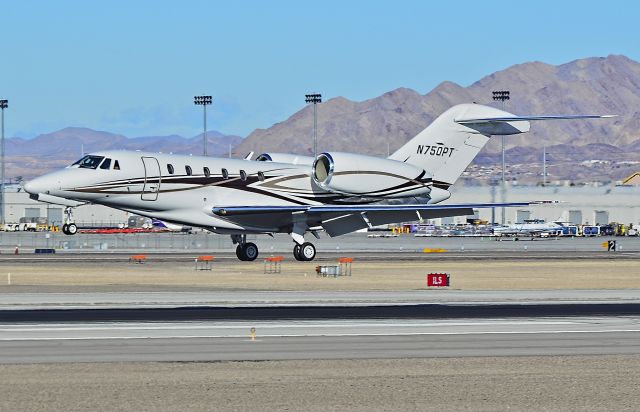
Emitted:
pixel 34 186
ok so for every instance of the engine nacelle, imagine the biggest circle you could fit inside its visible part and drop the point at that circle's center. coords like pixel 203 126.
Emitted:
pixel 285 158
pixel 368 176
pixel 438 195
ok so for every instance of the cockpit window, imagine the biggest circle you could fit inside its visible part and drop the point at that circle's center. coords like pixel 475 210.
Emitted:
pixel 116 165
pixel 89 162
pixel 106 164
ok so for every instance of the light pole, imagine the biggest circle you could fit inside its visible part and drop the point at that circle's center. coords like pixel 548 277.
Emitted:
pixel 315 99
pixel 502 95
pixel 3 105
pixel 203 101
pixel 544 164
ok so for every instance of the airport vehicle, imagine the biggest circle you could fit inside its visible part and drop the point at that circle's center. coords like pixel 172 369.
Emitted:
pixel 21 227
pixel 589 231
pixel 335 192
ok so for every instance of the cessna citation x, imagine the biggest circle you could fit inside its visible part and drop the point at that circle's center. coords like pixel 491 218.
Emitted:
pixel 335 192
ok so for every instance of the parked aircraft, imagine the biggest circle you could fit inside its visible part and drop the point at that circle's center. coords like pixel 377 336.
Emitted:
pixel 531 227
pixel 335 192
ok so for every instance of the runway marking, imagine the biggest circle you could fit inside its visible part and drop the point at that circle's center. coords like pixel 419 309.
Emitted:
pixel 30 328
pixel 325 335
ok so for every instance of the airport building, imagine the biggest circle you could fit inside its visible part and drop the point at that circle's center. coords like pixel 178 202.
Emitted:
pixel 587 205
pixel 18 205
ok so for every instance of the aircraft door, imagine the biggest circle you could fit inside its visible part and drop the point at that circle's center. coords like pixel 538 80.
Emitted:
pixel 152 178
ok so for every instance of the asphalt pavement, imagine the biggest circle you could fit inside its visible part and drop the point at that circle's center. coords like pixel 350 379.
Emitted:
pixel 330 339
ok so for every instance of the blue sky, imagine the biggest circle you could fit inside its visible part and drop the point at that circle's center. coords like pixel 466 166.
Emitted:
pixel 133 67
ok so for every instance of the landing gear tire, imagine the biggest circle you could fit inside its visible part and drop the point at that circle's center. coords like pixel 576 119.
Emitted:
pixel 305 252
pixel 247 252
pixel 72 229
pixel 250 251
pixel 239 253
pixel 65 229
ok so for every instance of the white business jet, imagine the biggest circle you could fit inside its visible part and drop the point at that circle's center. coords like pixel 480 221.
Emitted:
pixel 531 227
pixel 335 192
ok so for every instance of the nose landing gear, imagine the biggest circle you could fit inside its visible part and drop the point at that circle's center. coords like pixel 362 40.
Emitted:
pixel 69 227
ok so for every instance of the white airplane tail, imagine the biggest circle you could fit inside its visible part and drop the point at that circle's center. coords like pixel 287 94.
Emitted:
pixel 449 144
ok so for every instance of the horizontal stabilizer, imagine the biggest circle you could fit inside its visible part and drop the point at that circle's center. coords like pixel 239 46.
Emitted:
pixel 528 118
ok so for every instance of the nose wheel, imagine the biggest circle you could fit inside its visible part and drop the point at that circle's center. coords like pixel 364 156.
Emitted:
pixel 69 229
pixel 305 252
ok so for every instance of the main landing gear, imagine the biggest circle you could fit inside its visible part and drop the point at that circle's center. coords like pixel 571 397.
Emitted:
pixel 69 227
pixel 305 252
pixel 246 251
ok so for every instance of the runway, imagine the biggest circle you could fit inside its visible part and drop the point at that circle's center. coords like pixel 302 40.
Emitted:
pixel 77 307
pixel 333 339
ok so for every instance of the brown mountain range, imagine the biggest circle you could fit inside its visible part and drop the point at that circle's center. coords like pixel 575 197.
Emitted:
pixel 597 85
pixel 32 157
pixel 608 85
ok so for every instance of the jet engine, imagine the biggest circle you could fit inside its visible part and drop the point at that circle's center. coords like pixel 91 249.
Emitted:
pixel 285 158
pixel 360 175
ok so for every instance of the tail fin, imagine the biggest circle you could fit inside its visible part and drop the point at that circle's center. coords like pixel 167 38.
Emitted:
pixel 449 144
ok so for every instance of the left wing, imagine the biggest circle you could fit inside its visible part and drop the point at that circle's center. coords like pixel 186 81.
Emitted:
pixel 339 220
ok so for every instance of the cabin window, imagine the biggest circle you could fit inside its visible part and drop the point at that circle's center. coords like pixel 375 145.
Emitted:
pixel 207 173
pixel 243 175
pixel 106 164
pixel 89 162
pixel 225 174
pixel 188 170
pixel 261 176
pixel 116 165
pixel 170 168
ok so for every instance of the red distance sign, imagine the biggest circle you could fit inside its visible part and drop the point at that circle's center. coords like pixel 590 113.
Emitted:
pixel 437 279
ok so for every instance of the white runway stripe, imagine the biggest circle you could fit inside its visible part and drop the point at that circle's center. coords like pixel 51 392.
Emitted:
pixel 244 336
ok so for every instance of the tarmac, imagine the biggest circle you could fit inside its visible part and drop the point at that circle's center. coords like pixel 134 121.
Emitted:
pixel 530 325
